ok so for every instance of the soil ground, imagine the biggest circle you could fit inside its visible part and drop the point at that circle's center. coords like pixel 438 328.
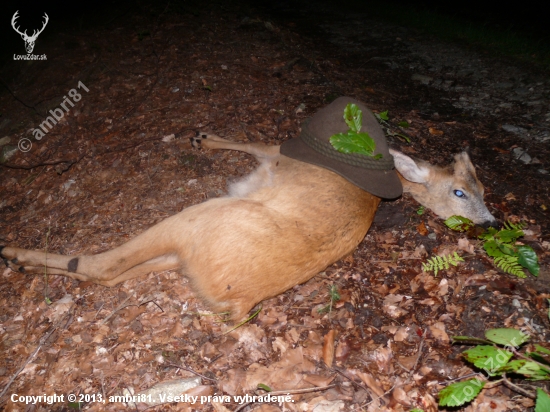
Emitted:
pixel 120 161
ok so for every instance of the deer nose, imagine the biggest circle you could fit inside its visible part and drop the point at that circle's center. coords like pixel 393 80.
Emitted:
pixel 490 223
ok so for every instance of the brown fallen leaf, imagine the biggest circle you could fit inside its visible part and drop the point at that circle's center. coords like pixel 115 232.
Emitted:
pixel 435 132
pixel 328 347
pixel 318 380
pixel 220 407
pixel 465 245
pixel 438 332
pixel 369 380
pixel 400 396
pixel 421 229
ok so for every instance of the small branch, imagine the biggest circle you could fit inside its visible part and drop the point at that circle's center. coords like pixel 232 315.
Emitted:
pixel 527 358
pixel 381 396
pixel 516 388
pixel 460 378
pixel 350 379
pixel 419 350
pixel 150 301
pixel 190 370
pixel 17 98
pixel 46 163
pixel 119 308
pixel 292 392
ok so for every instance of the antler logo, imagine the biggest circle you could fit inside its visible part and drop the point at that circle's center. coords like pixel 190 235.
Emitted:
pixel 29 40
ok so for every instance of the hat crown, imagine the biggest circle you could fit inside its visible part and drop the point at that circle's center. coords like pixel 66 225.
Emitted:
pixel 374 175
pixel 329 121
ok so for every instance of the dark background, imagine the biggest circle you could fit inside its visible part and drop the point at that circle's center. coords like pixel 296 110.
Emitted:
pixel 529 17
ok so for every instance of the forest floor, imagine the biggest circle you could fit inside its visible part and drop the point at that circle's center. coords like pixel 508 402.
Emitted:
pixel 120 161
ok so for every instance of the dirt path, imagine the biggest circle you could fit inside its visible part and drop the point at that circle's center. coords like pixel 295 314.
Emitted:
pixel 119 161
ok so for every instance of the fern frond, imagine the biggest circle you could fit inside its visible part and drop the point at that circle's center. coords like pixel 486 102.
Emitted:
pixel 437 263
pixel 509 264
pixel 514 226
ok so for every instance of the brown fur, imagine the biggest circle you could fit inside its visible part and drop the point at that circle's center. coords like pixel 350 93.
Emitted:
pixel 279 227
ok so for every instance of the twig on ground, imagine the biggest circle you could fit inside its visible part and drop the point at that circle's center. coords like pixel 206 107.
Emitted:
pixel 516 388
pixel 190 370
pixel 119 308
pixel 291 392
pixel 419 351
pixel 350 379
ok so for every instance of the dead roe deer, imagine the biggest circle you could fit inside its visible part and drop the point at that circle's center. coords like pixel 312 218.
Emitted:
pixel 277 228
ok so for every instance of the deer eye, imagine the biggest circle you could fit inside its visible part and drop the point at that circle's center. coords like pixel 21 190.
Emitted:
pixel 459 193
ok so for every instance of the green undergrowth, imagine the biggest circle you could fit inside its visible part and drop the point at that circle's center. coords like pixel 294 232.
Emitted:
pixel 508 253
pixel 498 358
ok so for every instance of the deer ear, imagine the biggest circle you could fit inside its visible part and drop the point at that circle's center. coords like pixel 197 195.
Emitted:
pixel 463 165
pixel 409 169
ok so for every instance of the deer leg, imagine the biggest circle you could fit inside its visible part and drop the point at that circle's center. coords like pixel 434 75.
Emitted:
pixel 153 250
pixel 211 141
pixel 38 262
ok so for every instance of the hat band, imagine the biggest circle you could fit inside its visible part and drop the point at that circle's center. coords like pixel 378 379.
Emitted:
pixel 352 159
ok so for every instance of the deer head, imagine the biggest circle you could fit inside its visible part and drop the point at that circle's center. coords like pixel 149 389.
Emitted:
pixel 29 40
pixel 454 190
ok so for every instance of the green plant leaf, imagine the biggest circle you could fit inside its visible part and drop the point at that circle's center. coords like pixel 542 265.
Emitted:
pixel 542 353
pixel 507 337
pixel 488 358
pixel 459 223
pixel 333 292
pixel 403 124
pixel 506 249
pixel 353 117
pixel 352 142
pixel 543 401
pixel 437 263
pixel 534 371
pixel 264 387
pixel 509 235
pixel 403 136
pixel 528 259
pixel 489 234
pixel 526 368
pixel 512 366
pixel 492 249
pixel 382 115
pixel 460 393
pixel 469 339
pixel 509 264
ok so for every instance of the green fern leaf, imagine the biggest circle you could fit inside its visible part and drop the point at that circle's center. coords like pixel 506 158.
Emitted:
pixel 509 264
pixel 437 263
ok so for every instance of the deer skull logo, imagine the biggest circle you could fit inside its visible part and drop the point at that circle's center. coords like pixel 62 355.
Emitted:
pixel 29 40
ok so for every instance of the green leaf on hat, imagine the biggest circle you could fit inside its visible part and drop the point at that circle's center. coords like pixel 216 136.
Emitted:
pixel 353 117
pixel 353 141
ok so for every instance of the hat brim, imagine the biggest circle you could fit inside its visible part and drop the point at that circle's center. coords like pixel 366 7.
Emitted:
pixel 382 183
